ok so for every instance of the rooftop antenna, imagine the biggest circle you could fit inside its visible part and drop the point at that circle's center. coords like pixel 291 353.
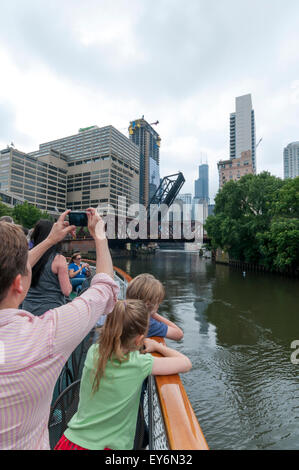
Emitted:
pixel 203 158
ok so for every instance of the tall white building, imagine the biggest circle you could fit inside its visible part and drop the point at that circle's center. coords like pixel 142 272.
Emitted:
pixel 291 160
pixel 242 129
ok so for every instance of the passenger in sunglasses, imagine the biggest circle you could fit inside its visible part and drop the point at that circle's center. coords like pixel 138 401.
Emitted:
pixel 78 272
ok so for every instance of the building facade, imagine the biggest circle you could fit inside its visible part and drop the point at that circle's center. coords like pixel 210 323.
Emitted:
pixel 102 164
pixel 234 169
pixel 186 203
pixel 40 181
pixel 242 129
pixel 201 186
pixel 90 169
pixel 211 208
pixel 148 141
pixel 291 160
pixel 200 210
pixel 186 198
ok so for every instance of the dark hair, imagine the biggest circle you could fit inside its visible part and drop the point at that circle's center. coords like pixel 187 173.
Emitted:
pixel 13 255
pixel 41 231
pixel 74 256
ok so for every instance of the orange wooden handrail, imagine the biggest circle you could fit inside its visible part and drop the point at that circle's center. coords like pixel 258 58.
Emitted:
pixel 123 274
pixel 181 425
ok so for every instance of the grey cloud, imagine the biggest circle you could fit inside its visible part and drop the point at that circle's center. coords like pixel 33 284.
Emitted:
pixel 8 130
pixel 7 122
pixel 186 48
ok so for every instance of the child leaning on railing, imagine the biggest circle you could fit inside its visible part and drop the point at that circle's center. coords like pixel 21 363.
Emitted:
pixel 114 371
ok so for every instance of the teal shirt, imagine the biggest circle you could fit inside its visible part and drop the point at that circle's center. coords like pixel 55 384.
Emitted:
pixel 108 417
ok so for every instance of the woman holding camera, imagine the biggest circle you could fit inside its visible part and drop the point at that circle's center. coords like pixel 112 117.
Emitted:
pixel 50 284
pixel 78 272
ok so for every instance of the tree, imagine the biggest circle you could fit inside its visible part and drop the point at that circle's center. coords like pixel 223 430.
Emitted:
pixel 5 210
pixel 27 215
pixel 280 245
pixel 256 220
pixel 287 203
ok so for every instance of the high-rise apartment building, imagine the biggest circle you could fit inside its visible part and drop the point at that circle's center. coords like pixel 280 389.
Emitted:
pixel 148 141
pixel 291 160
pixel 202 184
pixel 242 129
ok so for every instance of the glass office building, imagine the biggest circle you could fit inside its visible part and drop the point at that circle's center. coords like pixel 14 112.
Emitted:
pixel 148 142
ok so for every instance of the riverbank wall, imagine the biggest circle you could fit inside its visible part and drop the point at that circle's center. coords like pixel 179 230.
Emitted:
pixel 222 257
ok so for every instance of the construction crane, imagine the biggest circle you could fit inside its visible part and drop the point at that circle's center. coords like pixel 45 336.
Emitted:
pixel 258 143
pixel 151 124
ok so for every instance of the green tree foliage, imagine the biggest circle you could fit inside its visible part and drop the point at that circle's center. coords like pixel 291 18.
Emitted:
pixel 5 210
pixel 27 215
pixel 256 220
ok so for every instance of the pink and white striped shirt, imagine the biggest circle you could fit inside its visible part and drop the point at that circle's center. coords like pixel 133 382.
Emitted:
pixel 33 351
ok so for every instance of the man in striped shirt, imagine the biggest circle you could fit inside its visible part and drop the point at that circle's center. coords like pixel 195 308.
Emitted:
pixel 33 350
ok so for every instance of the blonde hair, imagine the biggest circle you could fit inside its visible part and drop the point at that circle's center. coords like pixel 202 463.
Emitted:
pixel 128 319
pixel 147 288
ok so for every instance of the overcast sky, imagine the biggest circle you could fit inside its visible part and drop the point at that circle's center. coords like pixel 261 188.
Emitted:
pixel 66 64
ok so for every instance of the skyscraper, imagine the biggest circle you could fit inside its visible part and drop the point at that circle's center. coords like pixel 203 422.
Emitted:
pixel 202 184
pixel 291 160
pixel 148 141
pixel 242 129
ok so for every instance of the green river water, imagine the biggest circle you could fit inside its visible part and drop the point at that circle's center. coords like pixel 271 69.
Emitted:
pixel 238 332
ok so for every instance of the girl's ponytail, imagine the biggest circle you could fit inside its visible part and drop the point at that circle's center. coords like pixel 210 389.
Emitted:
pixel 128 319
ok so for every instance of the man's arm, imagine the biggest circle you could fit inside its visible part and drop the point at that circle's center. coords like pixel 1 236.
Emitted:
pixel 60 229
pixel 96 228
pixel 37 252
pixel 74 320
pixel 173 331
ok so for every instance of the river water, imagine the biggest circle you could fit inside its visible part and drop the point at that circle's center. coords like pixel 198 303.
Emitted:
pixel 238 332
